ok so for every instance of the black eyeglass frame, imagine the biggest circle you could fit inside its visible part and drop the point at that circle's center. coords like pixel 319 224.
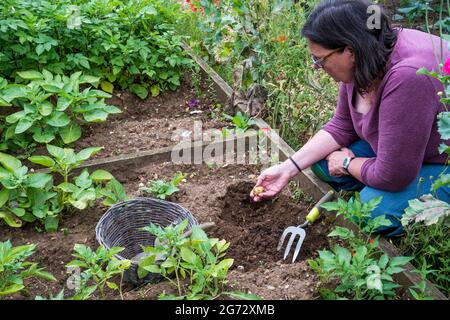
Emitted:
pixel 319 63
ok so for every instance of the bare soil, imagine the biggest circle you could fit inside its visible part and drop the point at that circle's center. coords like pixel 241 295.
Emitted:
pixel 155 122
pixel 211 194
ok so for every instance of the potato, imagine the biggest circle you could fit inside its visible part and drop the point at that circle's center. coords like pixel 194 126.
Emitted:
pixel 258 190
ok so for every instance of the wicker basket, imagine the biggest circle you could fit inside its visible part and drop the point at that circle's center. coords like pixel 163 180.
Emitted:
pixel 119 227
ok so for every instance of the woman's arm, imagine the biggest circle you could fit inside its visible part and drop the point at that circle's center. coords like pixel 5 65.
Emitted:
pixel 317 148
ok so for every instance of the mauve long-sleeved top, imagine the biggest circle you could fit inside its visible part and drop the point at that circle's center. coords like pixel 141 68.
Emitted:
pixel 401 126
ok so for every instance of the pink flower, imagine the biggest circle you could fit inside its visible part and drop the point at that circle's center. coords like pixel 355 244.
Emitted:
pixel 446 67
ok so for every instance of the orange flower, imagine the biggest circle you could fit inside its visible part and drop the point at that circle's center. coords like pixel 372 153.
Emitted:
pixel 371 241
pixel 353 253
pixel 280 39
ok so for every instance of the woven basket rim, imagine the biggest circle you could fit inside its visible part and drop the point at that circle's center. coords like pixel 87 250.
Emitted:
pixel 106 215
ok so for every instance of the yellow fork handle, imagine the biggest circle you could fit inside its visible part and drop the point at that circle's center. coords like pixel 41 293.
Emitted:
pixel 315 211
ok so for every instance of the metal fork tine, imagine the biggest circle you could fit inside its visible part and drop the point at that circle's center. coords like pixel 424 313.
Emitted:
pixel 302 234
pixel 289 245
pixel 280 243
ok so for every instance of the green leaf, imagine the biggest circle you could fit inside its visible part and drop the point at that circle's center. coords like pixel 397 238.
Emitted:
pixel 444 125
pixel 45 108
pixel 23 125
pixel 95 116
pixel 31 75
pixel 68 187
pixel 51 224
pixel 55 151
pixel 42 160
pixel 63 103
pixel 152 268
pixel 43 137
pixel 107 86
pixel 89 79
pixel 101 175
pixel 155 90
pixel 13 288
pixel 188 256
pixel 399 261
pixel 70 133
pixel 38 180
pixel 10 220
pixel 9 162
pixel 58 119
pixel 87 153
pixel 139 90
pixel 343 233
pixel 4 197
pixel 18 211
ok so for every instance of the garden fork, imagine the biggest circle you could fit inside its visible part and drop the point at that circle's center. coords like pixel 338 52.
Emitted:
pixel 299 230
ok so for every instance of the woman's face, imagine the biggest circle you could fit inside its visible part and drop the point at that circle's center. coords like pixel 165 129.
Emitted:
pixel 339 65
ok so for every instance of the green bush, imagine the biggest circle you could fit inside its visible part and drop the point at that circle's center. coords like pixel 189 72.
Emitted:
pixel 129 42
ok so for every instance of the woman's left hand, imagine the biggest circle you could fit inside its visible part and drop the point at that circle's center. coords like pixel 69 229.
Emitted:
pixel 335 160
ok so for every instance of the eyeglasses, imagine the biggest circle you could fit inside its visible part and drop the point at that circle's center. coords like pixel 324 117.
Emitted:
pixel 319 63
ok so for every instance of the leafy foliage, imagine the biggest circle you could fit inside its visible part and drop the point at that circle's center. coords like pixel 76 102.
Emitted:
pixel 129 42
pixel 241 121
pixel 52 108
pixel 99 267
pixel 162 188
pixel 27 197
pixel 363 270
pixel 196 257
pixel 14 268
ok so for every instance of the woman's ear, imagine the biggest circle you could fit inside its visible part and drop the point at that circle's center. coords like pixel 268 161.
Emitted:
pixel 351 52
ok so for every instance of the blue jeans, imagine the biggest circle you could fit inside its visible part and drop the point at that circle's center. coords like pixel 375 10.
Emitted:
pixel 393 204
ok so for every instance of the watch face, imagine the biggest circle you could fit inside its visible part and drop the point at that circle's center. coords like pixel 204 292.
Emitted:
pixel 346 162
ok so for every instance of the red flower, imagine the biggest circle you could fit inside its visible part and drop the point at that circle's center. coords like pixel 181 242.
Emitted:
pixel 353 253
pixel 371 241
pixel 280 39
pixel 202 9
pixel 446 67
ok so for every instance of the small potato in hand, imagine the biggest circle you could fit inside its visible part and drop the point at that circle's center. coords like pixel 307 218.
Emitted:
pixel 258 190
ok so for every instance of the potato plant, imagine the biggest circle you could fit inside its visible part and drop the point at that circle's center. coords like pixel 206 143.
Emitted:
pixel 362 270
pixel 162 188
pixel 196 258
pixel 52 107
pixel 98 268
pixel 27 197
pixel 14 268
pixel 127 43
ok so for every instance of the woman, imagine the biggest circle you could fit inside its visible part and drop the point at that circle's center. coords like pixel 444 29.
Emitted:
pixel 383 137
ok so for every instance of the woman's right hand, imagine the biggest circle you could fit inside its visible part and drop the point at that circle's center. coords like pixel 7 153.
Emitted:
pixel 273 180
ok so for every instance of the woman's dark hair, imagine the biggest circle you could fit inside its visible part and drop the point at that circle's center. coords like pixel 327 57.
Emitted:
pixel 337 24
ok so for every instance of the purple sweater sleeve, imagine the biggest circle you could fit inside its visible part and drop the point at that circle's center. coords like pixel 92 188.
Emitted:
pixel 406 116
pixel 341 126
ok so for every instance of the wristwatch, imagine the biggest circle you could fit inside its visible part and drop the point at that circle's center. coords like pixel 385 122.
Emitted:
pixel 346 162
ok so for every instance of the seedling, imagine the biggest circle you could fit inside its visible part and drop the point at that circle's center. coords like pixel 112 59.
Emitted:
pixel 14 268
pixel 98 268
pixel 197 257
pixel 162 188
pixel 241 121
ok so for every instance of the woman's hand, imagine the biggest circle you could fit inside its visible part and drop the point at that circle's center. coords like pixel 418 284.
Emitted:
pixel 335 160
pixel 273 180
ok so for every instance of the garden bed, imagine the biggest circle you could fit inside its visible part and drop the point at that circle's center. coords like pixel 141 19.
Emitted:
pixel 218 194
pixel 152 123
